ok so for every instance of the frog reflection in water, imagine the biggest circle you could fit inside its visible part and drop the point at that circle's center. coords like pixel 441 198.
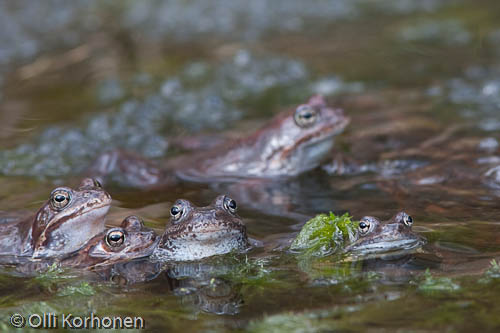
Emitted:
pixel 62 225
pixel 393 236
pixel 290 144
pixel 129 241
pixel 201 284
pixel 198 232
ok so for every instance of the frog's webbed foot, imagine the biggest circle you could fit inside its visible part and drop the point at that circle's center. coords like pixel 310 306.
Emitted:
pixel 130 170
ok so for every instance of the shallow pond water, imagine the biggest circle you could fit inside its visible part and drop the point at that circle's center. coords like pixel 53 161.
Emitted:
pixel 419 80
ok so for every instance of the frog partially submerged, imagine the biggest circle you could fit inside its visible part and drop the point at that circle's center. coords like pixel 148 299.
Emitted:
pixel 61 226
pixel 131 240
pixel 292 143
pixel 325 235
pixel 392 236
pixel 198 232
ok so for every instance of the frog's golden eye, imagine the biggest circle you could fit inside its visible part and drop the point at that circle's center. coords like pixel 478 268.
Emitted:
pixel 59 199
pixel 305 116
pixel 97 183
pixel 364 227
pixel 407 220
pixel 115 237
pixel 230 205
pixel 176 212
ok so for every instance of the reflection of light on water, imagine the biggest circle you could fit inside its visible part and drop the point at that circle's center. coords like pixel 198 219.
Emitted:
pixel 455 247
pixel 450 32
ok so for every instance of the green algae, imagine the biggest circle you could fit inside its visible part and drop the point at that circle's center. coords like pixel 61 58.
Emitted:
pixel 494 270
pixel 492 273
pixel 84 288
pixel 251 272
pixel 347 276
pixel 324 234
pixel 436 285
pixel 53 278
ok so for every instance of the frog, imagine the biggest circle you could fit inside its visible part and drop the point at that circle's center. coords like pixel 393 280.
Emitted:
pixel 64 223
pixel 392 236
pixel 131 240
pixel 194 233
pixel 291 143
pixel 326 235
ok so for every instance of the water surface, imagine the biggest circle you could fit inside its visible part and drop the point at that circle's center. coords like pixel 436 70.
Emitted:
pixel 420 81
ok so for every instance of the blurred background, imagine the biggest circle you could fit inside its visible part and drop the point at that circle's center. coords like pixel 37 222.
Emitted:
pixel 80 77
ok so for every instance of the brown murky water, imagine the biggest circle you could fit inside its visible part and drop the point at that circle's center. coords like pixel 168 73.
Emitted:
pixel 420 81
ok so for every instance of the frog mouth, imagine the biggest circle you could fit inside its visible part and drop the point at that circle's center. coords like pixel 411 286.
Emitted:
pixel 217 234
pixel 89 213
pixel 83 224
pixel 399 245
pixel 326 133
pixel 311 150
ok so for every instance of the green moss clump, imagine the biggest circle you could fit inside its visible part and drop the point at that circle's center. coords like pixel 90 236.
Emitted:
pixel 324 234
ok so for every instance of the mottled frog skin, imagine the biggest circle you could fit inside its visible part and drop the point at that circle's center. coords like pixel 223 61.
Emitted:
pixel 198 232
pixel 61 226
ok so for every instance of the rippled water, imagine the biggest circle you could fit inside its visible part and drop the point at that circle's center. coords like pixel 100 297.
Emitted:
pixel 420 81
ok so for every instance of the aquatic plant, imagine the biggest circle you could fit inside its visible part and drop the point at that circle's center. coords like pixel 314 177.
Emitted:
pixel 491 273
pixel 324 235
pixel 433 285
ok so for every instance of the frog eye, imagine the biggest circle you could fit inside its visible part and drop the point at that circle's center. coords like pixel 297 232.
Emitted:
pixel 408 220
pixel 97 183
pixel 59 199
pixel 305 116
pixel 176 212
pixel 115 238
pixel 230 205
pixel 364 227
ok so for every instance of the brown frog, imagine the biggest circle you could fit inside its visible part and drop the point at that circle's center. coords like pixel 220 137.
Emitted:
pixel 129 241
pixel 292 143
pixel 392 236
pixel 198 232
pixel 61 226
